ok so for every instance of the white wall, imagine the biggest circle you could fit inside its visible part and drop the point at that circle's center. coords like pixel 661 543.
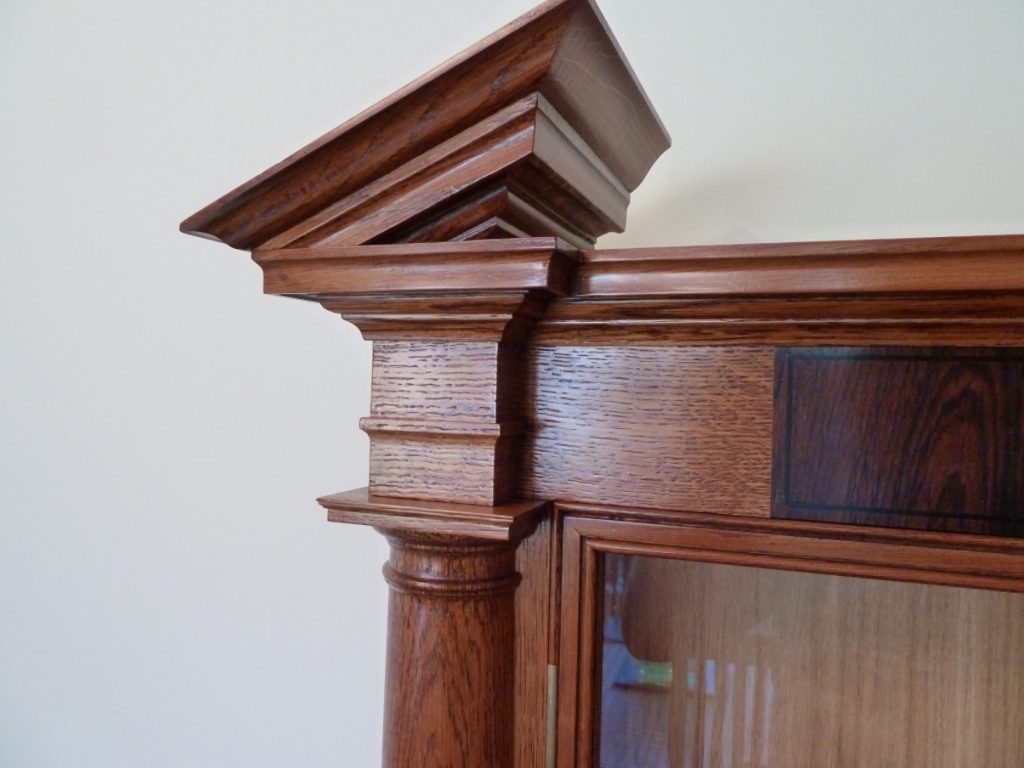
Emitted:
pixel 170 595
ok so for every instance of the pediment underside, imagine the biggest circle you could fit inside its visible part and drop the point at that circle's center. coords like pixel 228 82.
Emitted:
pixel 520 172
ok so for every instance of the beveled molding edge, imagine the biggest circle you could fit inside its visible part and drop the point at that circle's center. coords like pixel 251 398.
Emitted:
pixel 996 557
pixel 821 268
pixel 950 290
pixel 480 290
pixel 475 266
pixel 539 129
pixel 943 290
pixel 507 522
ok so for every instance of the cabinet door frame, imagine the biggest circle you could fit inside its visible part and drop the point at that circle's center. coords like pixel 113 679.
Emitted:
pixel 591 531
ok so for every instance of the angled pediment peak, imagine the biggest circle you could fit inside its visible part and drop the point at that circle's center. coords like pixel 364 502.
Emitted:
pixel 540 129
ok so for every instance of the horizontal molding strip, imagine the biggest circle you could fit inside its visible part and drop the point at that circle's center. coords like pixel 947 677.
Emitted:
pixel 506 522
pixel 916 265
pixel 511 264
pixel 439 427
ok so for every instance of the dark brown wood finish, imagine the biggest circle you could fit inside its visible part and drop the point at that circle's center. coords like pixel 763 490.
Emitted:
pixel 951 291
pixel 454 572
pixel 990 318
pixel 910 265
pixel 541 128
pixel 509 522
pixel 904 437
pixel 533 627
pixel 450 675
pixel 442 222
pixel 512 369
pixel 449 321
pixel 540 263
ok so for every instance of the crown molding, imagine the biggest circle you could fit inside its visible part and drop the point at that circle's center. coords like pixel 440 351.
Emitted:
pixel 539 129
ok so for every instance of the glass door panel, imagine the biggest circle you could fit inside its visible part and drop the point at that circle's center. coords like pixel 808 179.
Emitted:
pixel 721 666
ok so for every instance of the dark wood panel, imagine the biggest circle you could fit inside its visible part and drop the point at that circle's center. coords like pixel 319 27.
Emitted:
pixel 678 427
pixel 917 438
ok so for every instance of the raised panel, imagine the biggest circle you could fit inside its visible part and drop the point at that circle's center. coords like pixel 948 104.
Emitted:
pixel 916 438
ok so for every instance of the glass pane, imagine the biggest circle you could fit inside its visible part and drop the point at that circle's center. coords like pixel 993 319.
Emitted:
pixel 720 666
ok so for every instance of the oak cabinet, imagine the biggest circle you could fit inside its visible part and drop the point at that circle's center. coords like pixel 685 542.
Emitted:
pixel 744 505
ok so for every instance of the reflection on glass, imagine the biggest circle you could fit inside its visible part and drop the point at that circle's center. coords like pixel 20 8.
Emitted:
pixel 720 666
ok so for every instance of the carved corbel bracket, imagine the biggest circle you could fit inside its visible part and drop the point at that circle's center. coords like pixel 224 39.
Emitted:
pixel 448 321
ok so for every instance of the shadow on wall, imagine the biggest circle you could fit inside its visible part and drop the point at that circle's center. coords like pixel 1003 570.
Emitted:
pixel 725 208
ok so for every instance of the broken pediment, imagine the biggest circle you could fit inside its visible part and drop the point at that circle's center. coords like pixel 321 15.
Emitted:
pixel 540 129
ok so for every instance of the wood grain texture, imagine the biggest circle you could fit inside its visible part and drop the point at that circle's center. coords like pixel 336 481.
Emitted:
pixel 445 416
pixel 443 223
pixel 442 317
pixel 473 469
pixel 954 291
pixel 449 322
pixel 887 541
pixel 456 381
pixel 485 152
pixel 580 599
pixel 508 522
pixel 420 149
pixel 446 421
pixel 528 150
pixel 451 652
pixel 948 319
pixel 463 687
pixel 533 561
pixel 905 437
pixel 488 211
pixel 543 263
pixel 682 428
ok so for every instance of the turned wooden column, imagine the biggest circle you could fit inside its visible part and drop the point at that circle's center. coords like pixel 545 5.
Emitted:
pixel 451 602
pixel 445 432
pixel 442 222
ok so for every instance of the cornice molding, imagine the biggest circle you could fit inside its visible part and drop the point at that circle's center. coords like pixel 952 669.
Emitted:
pixel 944 290
pixel 925 265
pixel 506 522
pixel 543 263
pixel 539 129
